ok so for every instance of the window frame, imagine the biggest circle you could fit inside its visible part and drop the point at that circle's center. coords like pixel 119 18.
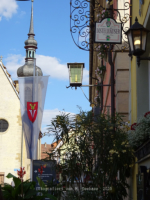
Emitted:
pixel 1 132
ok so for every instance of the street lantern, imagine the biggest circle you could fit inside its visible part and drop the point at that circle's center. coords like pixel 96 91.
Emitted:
pixel 75 74
pixel 137 37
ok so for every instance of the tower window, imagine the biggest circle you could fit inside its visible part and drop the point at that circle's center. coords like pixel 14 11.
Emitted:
pixel 30 54
pixel 3 125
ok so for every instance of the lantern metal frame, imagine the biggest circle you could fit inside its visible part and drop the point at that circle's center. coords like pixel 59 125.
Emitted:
pixel 138 27
pixel 75 84
pixel 80 84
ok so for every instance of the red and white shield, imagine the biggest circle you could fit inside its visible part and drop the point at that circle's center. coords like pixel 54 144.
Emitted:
pixel 32 108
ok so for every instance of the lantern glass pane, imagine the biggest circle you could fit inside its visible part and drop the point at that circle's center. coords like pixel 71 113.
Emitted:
pixel 144 36
pixel 130 40
pixel 75 74
pixel 137 39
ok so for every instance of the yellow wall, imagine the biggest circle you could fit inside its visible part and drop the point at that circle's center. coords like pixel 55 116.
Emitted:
pixel 135 10
pixel 141 19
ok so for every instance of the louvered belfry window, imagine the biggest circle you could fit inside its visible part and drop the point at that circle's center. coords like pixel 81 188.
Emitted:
pixel 3 125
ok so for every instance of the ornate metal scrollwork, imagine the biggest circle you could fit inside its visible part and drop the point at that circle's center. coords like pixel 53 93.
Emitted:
pixel 81 23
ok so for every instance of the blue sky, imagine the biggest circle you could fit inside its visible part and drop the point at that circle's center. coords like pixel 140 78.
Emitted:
pixel 55 49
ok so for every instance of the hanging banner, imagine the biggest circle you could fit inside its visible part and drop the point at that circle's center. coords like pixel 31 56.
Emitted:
pixel 32 92
pixel 108 31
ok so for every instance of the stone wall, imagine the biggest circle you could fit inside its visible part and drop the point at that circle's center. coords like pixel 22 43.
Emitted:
pixel 122 63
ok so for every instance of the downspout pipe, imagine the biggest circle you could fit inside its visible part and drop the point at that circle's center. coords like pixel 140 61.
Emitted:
pixel 91 48
pixel 101 90
pixel 110 61
pixel 22 146
pixel 130 13
pixel 112 81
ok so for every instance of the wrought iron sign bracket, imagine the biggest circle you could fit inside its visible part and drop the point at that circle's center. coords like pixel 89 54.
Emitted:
pixel 82 23
pixel 87 85
pixel 141 58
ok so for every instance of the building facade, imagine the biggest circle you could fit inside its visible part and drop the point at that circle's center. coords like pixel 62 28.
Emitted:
pixel 122 77
pixel 12 144
pixel 13 153
pixel 121 63
pixel 140 103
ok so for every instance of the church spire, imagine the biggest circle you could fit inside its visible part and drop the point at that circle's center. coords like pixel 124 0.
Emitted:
pixel 30 43
pixel 31 30
pixel 30 46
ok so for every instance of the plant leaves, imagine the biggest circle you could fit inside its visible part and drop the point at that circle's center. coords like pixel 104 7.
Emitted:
pixel 10 175
pixel 28 185
pixel 30 194
pixel 17 181
pixel 41 183
pixel 50 196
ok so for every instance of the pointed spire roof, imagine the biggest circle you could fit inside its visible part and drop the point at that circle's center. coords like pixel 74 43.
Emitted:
pixel 30 45
pixel 31 42
pixel 31 30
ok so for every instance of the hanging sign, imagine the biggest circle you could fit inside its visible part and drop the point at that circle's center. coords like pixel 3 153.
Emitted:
pixel 48 174
pixel 108 31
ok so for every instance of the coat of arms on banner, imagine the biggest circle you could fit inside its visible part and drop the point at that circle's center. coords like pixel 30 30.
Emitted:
pixel 32 108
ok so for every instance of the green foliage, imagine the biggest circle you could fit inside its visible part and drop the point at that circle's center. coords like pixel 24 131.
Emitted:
pixel 141 133
pixel 24 190
pixel 96 150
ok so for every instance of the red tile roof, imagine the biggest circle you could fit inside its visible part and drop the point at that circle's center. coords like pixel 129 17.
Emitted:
pixel 47 148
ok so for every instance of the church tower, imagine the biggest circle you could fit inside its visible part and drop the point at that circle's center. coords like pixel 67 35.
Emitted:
pixel 30 45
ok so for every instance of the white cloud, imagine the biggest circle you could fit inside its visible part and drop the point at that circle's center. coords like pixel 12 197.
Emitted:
pixel 8 8
pixel 22 13
pixel 48 115
pixel 49 65
pixel 12 63
pixel 52 66
pixel 85 76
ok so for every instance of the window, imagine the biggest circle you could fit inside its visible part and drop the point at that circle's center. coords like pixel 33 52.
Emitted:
pixel 3 125
pixel 30 54
pixel 1 178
